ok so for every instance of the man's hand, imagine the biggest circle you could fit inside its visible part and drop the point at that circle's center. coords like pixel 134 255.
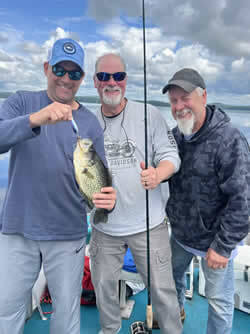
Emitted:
pixel 105 199
pixel 152 177
pixel 149 177
pixel 215 260
pixel 53 113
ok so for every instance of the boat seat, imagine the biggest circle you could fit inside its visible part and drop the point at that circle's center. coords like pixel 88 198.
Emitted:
pixel 127 305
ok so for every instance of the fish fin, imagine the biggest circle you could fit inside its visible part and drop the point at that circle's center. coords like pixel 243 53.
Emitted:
pixel 100 216
pixel 85 170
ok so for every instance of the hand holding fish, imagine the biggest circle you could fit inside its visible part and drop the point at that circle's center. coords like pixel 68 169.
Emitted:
pixel 105 199
pixel 215 260
pixel 53 113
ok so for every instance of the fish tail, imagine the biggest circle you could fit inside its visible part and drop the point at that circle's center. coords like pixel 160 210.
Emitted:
pixel 100 216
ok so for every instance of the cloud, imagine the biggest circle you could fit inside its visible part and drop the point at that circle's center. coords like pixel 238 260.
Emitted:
pixel 22 66
pixel 104 10
pixel 212 37
pixel 3 37
pixel 221 26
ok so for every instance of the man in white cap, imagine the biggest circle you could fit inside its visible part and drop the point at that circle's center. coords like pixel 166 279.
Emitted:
pixel 43 219
pixel 208 203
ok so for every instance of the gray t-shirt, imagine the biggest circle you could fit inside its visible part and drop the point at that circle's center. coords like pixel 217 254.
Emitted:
pixel 125 149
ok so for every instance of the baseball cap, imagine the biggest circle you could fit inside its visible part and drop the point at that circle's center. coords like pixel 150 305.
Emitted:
pixel 187 79
pixel 66 49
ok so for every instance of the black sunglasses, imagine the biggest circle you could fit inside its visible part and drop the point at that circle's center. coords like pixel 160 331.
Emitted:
pixel 104 76
pixel 59 71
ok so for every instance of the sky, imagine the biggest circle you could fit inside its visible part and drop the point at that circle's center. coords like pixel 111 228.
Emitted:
pixel 212 37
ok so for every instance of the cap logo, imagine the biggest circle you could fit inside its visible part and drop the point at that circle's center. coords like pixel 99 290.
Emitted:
pixel 69 48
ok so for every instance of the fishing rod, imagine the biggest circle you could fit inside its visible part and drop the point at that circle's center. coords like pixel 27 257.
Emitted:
pixel 138 327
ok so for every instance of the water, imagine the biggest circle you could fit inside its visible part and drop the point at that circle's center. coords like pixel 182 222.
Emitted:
pixel 240 119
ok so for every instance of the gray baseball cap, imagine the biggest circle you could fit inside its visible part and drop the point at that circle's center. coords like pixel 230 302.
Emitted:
pixel 187 79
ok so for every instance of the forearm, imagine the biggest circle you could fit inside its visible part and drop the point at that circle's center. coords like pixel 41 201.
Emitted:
pixel 165 170
pixel 14 131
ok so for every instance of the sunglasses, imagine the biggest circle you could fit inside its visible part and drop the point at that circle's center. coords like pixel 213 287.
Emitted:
pixel 59 71
pixel 104 76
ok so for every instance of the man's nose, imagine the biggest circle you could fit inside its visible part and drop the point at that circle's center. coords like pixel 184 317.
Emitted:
pixel 179 105
pixel 111 81
pixel 66 77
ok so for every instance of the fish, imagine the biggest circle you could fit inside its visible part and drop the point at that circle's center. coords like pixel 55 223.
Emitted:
pixel 91 175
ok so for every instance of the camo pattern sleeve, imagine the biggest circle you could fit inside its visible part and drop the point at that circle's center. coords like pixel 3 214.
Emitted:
pixel 208 196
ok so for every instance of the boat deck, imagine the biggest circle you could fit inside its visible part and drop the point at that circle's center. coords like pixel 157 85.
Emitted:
pixel 195 323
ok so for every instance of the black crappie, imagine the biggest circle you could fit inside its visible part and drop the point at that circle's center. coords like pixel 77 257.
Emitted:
pixel 91 175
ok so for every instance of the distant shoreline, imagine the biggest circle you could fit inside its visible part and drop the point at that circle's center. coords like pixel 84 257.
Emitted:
pixel 95 99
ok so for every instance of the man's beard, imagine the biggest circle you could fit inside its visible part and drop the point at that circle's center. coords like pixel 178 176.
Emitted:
pixel 185 125
pixel 112 100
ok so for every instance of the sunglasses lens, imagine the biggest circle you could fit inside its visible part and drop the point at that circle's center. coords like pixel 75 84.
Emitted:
pixel 104 76
pixel 119 76
pixel 58 71
pixel 75 75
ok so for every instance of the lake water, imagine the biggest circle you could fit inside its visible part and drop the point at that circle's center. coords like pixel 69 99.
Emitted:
pixel 240 119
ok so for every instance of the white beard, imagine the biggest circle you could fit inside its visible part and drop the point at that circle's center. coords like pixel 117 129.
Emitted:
pixel 112 100
pixel 185 125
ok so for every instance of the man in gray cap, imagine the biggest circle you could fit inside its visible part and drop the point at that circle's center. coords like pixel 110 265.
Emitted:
pixel 207 207
pixel 43 219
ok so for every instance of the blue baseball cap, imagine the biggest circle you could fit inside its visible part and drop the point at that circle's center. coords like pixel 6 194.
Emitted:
pixel 66 49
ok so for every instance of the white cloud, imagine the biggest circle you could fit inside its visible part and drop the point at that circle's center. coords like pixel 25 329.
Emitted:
pixel 238 65
pixel 212 37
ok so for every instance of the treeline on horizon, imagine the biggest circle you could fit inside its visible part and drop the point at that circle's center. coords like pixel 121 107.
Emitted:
pixel 95 99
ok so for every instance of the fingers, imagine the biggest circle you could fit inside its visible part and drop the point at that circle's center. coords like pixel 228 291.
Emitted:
pixel 216 266
pixel 142 165
pixel 53 113
pixel 215 261
pixel 105 199
pixel 59 112
pixel 149 179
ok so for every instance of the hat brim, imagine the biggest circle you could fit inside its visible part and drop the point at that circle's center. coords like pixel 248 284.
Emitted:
pixel 57 60
pixel 187 86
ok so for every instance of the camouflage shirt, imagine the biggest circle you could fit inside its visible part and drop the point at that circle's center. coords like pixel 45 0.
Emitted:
pixel 208 196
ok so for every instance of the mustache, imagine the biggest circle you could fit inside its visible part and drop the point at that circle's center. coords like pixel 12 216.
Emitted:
pixel 111 89
pixel 183 112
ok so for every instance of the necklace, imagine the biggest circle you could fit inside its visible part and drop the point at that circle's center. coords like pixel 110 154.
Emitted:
pixel 122 121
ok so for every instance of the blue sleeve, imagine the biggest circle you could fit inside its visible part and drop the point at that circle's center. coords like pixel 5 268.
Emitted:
pixel 14 123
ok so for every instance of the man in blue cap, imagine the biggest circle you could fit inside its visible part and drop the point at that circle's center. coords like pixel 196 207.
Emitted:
pixel 43 219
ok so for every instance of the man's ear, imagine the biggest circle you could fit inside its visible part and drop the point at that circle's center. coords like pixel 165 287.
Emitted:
pixel 46 67
pixel 95 80
pixel 205 97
